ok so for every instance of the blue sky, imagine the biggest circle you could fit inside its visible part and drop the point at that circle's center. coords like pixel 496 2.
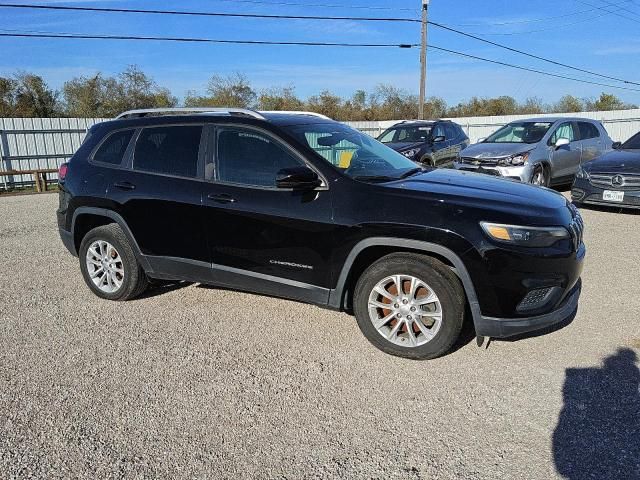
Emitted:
pixel 593 39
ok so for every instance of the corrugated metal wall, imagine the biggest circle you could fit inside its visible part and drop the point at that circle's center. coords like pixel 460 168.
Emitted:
pixel 30 143
pixel 38 143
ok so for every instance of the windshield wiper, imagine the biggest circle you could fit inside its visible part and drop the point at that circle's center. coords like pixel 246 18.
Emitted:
pixel 375 178
pixel 411 172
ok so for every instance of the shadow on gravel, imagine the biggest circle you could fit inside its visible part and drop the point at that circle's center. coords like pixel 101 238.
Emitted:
pixel 159 287
pixel 598 432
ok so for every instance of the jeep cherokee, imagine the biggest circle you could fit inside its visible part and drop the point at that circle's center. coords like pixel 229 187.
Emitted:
pixel 298 206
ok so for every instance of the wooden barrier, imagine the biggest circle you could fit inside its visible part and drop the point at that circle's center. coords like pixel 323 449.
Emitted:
pixel 39 176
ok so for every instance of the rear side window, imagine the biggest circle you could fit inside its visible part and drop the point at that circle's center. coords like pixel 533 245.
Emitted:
pixel 588 130
pixel 169 150
pixel 451 131
pixel 251 158
pixel 113 148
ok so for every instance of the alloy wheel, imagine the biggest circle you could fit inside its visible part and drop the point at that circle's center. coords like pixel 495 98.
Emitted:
pixel 105 266
pixel 405 310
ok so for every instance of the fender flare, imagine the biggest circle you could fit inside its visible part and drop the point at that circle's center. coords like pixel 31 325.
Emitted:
pixel 117 218
pixel 337 295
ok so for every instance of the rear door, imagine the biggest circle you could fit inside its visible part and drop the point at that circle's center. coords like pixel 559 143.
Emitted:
pixel 592 142
pixel 262 238
pixel 159 194
pixel 565 160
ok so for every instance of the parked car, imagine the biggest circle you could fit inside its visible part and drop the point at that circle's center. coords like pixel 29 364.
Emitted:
pixel 254 201
pixel 542 151
pixel 435 142
pixel 613 179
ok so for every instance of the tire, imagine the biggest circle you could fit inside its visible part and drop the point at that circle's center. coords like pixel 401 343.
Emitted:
pixel 540 176
pixel 127 279
pixel 436 278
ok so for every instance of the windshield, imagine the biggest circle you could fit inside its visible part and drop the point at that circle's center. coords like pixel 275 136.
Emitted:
pixel 633 143
pixel 520 132
pixel 353 153
pixel 406 134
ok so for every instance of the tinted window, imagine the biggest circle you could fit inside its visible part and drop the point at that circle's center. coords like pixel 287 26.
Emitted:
pixel 251 158
pixel 451 130
pixel 406 134
pixel 439 131
pixel 588 130
pixel 565 130
pixel 633 143
pixel 169 150
pixel 113 148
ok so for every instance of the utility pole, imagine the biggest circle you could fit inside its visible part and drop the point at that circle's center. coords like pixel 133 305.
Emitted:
pixel 423 59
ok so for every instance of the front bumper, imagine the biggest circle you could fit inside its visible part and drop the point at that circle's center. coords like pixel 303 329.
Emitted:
pixel 522 174
pixel 507 327
pixel 583 192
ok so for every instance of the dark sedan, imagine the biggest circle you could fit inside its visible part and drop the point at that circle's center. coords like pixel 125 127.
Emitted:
pixel 612 179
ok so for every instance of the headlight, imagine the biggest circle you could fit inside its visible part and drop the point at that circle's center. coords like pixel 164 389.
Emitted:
pixel 410 153
pixel 582 173
pixel 516 160
pixel 525 236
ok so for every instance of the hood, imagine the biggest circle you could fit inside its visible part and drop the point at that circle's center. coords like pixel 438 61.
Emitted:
pixel 496 150
pixel 401 146
pixel 616 161
pixel 534 205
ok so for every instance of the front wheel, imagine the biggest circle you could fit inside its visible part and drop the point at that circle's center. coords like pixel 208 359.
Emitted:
pixel 540 176
pixel 410 305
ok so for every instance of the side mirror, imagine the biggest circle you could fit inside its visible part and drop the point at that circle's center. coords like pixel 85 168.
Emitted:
pixel 438 139
pixel 481 139
pixel 298 178
pixel 616 145
pixel 562 142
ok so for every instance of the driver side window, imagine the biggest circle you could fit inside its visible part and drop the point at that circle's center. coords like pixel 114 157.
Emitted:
pixel 250 158
pixel 564 130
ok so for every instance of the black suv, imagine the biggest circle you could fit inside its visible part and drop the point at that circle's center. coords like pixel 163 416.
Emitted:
pixel 259 202
pixel 434 143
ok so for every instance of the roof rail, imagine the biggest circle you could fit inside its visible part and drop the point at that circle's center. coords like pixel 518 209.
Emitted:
pixel 292 112
pixel 170 111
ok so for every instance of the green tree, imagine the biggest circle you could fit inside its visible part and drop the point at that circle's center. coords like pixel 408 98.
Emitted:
pixel 225 91
pixel 327 104
pixel 34 98
pixel 84 97
pixel 7 96
pixel 568 104
pixel 279 99
pixel 605 102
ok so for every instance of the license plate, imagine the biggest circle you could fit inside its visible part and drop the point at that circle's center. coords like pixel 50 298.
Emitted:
pixel 611 196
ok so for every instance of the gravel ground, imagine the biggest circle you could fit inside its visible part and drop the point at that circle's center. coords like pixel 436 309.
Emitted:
pixel 196 382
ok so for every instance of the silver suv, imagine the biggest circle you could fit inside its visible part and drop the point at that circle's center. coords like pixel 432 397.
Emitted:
pixel 543 151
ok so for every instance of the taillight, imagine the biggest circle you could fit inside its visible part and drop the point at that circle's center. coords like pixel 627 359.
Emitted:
pixel 62 172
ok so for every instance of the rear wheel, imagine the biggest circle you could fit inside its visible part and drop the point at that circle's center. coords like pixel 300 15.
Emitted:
pixel 109 266
pixel 410 305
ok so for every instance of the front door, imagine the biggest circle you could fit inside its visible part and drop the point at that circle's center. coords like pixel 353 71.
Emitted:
pixel 262 238
pixel 566 159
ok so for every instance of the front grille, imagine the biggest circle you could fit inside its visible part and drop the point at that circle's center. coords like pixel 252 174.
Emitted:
pixel 484 162
pixel 619 182
pixel 576 227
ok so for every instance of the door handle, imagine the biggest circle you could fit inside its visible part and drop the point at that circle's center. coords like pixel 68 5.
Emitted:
pixel 221 198
pixel 125 186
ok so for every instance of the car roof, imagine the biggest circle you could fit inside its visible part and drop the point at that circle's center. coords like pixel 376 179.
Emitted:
pixel 554 119
pixel 269 118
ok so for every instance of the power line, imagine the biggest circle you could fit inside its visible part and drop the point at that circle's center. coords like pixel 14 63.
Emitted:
pixel 82 36
pixel 614 12
pixel 79 36
pixel 537 57
pixel 343 6
pixel 538 20
pixel 533 70
pixel 201 13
